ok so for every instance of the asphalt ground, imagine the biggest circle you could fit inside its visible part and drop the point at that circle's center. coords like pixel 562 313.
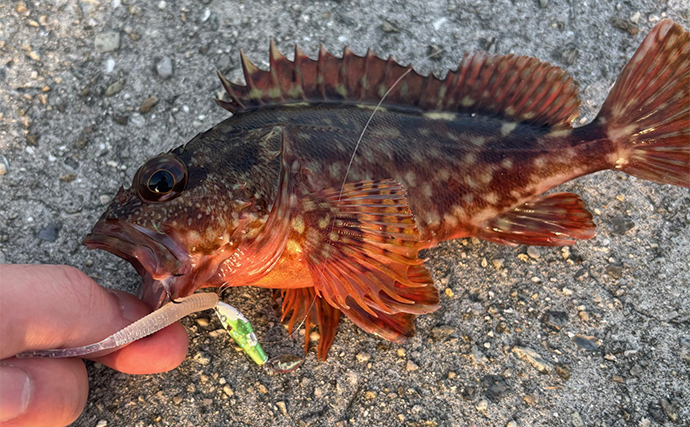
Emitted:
pixel 607 320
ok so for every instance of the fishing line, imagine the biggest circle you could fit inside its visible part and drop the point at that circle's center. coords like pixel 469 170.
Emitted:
pixel 361 135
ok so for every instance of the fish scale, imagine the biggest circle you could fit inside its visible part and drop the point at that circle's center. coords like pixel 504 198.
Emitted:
pixel 282 196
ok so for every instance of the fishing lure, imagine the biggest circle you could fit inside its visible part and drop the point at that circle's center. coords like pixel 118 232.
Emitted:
pixel 147 325
pixel 241 331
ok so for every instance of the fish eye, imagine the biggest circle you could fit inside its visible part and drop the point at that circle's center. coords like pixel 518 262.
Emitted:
pixel 161 182
pixel 160 179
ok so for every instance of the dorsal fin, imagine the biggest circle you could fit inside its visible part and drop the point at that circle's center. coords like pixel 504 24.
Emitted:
pixel 511 87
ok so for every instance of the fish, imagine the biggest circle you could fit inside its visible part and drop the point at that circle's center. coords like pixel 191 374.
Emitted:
pixel 332 174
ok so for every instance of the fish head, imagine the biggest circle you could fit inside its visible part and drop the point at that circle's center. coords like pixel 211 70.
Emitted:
pixel 182 217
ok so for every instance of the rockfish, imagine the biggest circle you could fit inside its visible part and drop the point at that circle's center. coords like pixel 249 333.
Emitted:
pixel 332 174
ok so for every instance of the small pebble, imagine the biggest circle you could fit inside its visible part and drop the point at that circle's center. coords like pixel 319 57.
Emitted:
pixel 162 5
pixel 587 342
pixel 483 405
pixel 621 225
pixel 109 65
pixel 370 395
pixel 635 18
pixel 411 366
pixel 576 420
pixel 533 252
pixel 148 104
pixel 50 232
pixel 164 67
pixel 4 165
pixel 555 319
pixel 669 409
pixel 314 336
pixel 107 42
pixel 137 120
pixel 387 27
pixel 115 88
pixel 498 263
pixel 104 199
pixel 68 177
pixel 283 408
pixel 533 358
pixel 439 22
pixel 531 399
pixel 614 271
pixel 201 321
pixel 363 357
pixel 228 391
pixel 177 399
pixel 263 389
pixel 20 7
pixel 563 371
pixel 201 359
pixel 441 332
pixel 101 423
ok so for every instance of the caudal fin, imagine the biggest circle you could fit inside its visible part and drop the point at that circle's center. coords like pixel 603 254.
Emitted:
pixel 647 114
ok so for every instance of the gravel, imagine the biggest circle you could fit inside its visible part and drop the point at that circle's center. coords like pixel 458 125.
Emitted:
pixel 73 77
pixel 164 67
pixel 107 42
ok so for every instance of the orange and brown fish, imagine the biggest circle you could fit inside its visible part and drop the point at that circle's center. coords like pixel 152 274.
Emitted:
pixel 277 196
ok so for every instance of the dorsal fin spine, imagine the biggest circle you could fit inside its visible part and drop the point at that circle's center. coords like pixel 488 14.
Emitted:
pixel 233 95
pixel 297 76
pixel 320 71
pixel 276 58
pixel 250 73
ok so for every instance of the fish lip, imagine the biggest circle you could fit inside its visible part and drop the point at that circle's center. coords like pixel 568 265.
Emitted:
pixel 157 257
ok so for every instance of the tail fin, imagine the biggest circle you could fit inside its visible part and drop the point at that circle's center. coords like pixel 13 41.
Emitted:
pixel 647 114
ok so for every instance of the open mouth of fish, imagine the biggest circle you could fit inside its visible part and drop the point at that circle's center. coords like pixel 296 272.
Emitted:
pixel 160 260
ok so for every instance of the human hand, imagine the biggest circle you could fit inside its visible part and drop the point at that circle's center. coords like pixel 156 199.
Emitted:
pixel 51 306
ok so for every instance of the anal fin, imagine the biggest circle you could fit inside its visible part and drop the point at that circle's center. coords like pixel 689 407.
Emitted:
pixel 551 220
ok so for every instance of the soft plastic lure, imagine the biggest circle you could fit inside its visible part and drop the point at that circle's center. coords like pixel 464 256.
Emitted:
pixel 147 325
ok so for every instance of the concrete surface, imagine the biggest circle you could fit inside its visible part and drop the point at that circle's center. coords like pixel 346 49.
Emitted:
pixel 73 76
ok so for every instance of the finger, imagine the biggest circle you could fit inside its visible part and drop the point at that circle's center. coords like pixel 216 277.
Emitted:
pixel 46 306
pixel 42 392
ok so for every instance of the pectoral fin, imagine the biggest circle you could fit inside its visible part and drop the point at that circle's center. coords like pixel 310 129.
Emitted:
pixel 361 247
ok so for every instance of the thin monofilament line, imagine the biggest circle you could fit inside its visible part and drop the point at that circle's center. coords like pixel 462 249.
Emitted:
pixel 361 135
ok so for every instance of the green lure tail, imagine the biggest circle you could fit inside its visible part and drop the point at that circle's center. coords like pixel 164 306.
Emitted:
pixel 241 331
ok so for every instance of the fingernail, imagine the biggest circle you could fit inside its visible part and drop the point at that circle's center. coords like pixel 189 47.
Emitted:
pixel 15 392
pixel 127 307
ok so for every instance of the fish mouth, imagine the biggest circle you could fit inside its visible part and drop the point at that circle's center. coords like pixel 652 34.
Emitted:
pixel 159 259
